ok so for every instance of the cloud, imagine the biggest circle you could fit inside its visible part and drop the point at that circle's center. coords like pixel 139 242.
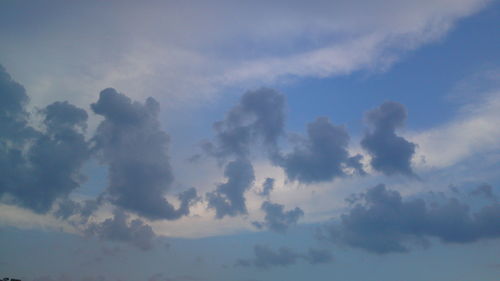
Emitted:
pixel 67 208
pixel 39 166
pixel 472 132
pixel 384 223
pixel 277 219
pixel 13 115
pixel 228 199
pixel 118 229
pixel 266 258
pixel 267 187
pixel 287 38
pixel 318 256
pixel 258 117
pixel 485 190
pixel 391 154
pixel 131 142
pixel 322 156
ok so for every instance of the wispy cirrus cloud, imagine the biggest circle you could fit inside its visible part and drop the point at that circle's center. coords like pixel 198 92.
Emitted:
pixel 221 44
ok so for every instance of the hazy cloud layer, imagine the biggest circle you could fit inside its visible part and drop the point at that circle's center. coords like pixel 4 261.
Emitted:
pixel 131 142
pixel 266 258
pixel 382 222
pixel 391 154
pixel 229 197
pixel 322 156
pixel 276 219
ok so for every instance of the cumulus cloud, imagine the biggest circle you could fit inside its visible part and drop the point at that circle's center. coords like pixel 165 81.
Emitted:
pixel 130 141
pixel 119 229
pixel 277 219
pixel 39 166
pixel 391 154
pixel 229 197
pixel 258 117
pixel 265 257
pixel 382 222
pixel 267 187
pixel 67 208
pixel 323 156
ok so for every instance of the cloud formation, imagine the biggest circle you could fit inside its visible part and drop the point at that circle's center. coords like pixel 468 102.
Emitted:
pixel 67 208
pixel 276 218
pixel 265 257
pixel 322 156
pixel 229 197
pixel 39 166
pixel 267 187
pixel 391 154
pixel 130 141
pixel 484 190
pixel 258 117
pixel 118 229
pixel 384 223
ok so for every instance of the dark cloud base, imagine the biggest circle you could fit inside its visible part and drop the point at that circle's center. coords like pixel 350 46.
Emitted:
pixel 382 222
pixel 276 219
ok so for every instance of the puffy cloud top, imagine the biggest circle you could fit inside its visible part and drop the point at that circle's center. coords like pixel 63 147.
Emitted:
pixel 391 154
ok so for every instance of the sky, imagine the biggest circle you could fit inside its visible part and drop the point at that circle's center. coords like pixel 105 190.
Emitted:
pixel 249 140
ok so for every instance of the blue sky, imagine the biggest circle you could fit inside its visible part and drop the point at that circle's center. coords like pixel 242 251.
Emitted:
pixel 138 140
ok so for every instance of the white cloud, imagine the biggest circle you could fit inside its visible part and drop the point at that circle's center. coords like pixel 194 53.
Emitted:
pixel 184 52
pixel 474 131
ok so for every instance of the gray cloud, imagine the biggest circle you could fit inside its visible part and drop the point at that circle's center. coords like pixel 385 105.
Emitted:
pixel 485 190
pixel 318 256
pixel 39 166
pixel 266 258
pixel 118 229
pixel 259 116
pixel 322 156
pixel 131 142
pixel 13 115
pixel 267 187
pixel 382 222
pixel 228 199
pixel 67 208
pixel 277 219
pixel 391 154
